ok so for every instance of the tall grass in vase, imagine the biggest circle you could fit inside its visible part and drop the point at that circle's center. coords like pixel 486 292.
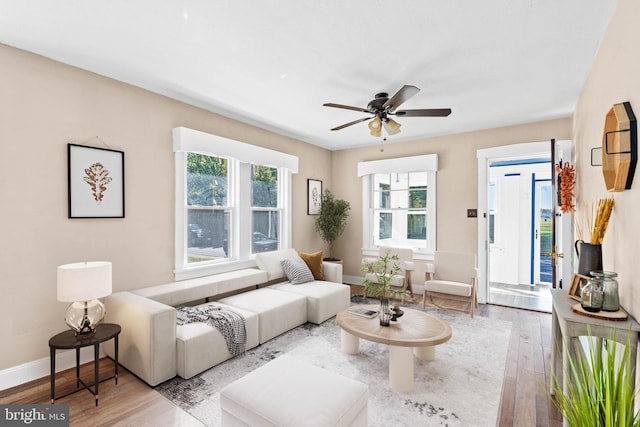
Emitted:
pixel 600 389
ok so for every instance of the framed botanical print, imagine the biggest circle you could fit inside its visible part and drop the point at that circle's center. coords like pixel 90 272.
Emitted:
pixel 314 196
pixel 96 182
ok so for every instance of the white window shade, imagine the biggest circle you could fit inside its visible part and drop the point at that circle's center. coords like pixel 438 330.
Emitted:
pixel 185 139
pixel 427 162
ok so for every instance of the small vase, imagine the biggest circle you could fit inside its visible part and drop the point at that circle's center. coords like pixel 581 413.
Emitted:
pixel 589 257
pixel 607 281
pixel 397 313
pixel 385 313
pixel 592 296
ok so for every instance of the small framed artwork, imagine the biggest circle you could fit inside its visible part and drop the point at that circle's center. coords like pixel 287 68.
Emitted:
pixel 96 182
pixel 576 286
pixel 314 196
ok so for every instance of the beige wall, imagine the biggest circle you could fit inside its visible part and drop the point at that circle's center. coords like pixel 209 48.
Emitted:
pixel 457 179
pixel 614 78
pixel 44 105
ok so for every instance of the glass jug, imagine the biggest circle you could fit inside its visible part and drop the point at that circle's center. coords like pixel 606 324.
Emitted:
pixel 592 295
pixel 609 285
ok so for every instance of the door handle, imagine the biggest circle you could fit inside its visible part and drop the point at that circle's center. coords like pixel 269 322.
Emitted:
pixel 553 254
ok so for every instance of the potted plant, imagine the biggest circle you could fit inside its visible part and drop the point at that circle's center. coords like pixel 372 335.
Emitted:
pixel 384 269
pixel 600 387
pixel 332 220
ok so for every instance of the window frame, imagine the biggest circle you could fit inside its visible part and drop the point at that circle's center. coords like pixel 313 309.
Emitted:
pixel 367 170
pixel 240 156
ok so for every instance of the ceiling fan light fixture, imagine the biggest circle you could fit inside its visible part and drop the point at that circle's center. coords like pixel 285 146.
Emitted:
pixel 375 127
pixel 391 126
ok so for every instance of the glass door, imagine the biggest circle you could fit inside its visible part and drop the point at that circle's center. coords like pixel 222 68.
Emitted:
pixel 542 228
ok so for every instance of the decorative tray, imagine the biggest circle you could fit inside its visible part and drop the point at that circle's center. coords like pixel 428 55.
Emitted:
pixel 604 315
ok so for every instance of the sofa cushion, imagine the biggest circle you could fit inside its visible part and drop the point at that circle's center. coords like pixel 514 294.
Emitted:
pixel 200 346
pixel 324 299
pixel 278 311
pixel 186 291
pixel 296 271
pixel 270 262
pixel 314 262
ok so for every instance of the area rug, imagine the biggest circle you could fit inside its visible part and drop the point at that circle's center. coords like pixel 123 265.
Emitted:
pixel 462 387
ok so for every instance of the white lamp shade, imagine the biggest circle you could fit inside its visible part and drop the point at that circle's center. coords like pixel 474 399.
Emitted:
pixel 84 281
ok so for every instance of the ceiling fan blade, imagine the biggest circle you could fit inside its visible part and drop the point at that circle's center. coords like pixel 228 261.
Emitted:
pixel 346 107
pixel 405 92
pixel 425 112
pixel 352 123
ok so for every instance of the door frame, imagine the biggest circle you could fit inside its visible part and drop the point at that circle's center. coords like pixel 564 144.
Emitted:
pixel 515 151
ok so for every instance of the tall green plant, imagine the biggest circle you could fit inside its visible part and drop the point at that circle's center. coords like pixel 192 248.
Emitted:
pixel 384 268
pixel 333 218
pixel 600 388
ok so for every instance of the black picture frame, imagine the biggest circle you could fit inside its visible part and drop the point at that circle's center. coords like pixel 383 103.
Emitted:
pixel 314 196
pixel 95 182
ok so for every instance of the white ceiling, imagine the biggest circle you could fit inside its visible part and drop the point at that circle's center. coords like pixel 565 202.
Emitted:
pixel 274 63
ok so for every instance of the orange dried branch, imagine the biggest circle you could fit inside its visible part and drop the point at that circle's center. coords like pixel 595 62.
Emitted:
pixel 566 182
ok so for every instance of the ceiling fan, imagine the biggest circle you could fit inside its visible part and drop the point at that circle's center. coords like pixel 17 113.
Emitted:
pixel 382 107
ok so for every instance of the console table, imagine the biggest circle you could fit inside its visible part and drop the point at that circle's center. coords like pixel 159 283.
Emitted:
pixel 568 326
pixel 69 340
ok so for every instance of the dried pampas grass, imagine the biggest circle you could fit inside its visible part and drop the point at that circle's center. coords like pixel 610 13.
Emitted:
pixel 597 220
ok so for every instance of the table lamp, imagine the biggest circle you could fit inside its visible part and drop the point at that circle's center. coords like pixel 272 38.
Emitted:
pixel 82 284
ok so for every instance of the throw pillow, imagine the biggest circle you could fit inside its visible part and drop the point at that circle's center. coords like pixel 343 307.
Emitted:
pixel 296 271
pixel 270 262
pixel 314 262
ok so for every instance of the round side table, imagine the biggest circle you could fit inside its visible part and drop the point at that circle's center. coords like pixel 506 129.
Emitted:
pixel 69 340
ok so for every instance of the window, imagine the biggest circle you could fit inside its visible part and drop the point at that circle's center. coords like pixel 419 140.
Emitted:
pixel 400 198
pixel 229 205
pixel 265 208
pixel 208 208
pixel 400 209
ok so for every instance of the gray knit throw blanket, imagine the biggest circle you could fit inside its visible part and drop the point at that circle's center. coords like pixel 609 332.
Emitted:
pixel 228 322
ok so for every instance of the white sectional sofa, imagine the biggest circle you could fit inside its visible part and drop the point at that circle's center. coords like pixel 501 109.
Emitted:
pixel 155 348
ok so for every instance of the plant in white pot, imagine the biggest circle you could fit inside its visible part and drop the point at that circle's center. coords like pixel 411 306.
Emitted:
pixel 332 220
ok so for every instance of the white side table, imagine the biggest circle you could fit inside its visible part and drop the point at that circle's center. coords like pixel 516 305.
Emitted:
pixel 567 326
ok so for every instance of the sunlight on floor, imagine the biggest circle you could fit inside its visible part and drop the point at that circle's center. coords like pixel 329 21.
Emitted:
pixel 531 297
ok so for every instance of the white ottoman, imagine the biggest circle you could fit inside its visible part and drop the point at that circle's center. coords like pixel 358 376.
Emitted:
pixel 324 299
pixel 287 392
pixel 200 346
pixel 277 311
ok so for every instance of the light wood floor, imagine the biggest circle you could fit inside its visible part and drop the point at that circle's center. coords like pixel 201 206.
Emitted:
pixel 132 403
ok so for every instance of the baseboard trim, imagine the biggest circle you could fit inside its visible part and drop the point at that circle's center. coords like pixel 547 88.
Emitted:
pixel 21 374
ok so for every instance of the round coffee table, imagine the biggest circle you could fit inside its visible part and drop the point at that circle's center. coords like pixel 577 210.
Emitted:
pixel 416 332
